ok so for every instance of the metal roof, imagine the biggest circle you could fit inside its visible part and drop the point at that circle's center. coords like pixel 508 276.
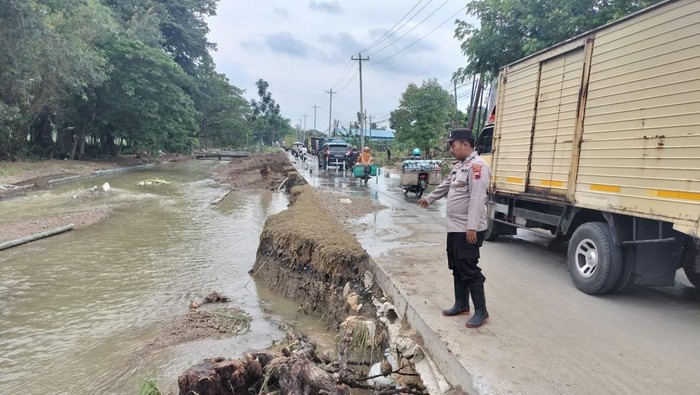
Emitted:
pixel 373 133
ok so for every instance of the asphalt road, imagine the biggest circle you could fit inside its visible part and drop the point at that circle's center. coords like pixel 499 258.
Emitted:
pixel 544 336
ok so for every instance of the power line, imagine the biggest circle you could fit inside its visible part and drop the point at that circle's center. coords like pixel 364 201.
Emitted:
pixel 347 68
pixel 411 29
pixel 349 81
pixel 419 39
pixel 388 33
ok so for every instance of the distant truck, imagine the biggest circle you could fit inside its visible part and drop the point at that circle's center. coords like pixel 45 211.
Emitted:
pixel 597 139
pixel 315 144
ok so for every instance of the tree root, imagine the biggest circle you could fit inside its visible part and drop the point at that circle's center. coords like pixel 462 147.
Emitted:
pixel 294 369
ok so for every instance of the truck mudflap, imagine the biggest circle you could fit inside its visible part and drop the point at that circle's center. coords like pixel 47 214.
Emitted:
pixel 691 261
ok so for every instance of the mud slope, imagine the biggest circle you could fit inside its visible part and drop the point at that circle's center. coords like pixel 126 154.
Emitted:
pixel 306 255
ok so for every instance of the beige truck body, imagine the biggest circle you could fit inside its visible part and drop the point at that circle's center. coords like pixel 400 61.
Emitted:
pixel 609 120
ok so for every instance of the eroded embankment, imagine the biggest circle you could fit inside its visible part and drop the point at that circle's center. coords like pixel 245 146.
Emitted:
pixel 305 254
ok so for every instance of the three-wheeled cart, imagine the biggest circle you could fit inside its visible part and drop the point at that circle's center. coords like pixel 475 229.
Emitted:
pixel 418 174
pixel 364 171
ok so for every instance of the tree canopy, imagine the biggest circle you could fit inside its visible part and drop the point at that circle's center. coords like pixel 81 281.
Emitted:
pixel 422 115
pixel 511 29
pixel 266 119
pixel 102 76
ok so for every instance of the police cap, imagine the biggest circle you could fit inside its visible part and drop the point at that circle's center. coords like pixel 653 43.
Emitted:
pixel 461 134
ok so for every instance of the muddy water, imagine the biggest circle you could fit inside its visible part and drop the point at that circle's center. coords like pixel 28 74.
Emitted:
pixel 75 308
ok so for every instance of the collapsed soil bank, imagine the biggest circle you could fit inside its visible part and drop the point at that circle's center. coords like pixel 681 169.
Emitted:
pixel 306 255
pixel 259 171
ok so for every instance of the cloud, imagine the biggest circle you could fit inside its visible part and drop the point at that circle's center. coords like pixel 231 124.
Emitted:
pixel 281 12
pixel 286 43
pixel 329 7
pixel 249 45
pixel 342 44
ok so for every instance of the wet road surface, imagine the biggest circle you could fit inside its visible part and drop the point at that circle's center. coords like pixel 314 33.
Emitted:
pixel 544 336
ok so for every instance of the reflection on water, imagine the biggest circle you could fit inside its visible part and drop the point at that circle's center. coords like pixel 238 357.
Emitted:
pixel 75 307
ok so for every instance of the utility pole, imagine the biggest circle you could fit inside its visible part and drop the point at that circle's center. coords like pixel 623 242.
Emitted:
pixel 370 127
pixel 315 107
pixel 456 108
pixel 362 112
pixel 330 112
pixel 304 134
pixel 476 101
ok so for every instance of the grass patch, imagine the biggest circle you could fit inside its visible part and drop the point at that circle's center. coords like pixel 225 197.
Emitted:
pixel 241 320
pixel 149 386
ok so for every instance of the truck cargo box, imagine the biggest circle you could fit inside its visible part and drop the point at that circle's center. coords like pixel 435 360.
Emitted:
pixel 609 120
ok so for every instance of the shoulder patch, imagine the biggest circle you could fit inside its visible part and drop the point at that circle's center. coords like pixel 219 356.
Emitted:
pixel 476 171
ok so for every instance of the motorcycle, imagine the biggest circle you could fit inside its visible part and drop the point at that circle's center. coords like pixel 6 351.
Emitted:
pixel 364 172
pixel 417 188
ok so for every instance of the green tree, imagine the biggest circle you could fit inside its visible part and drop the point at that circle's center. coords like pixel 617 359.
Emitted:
pixel 422 114
pixel 99 75
pixel 511 29
pixel 144 102
pixel 223 111
pixel 49 52
pixel 185 31
pixel 266 119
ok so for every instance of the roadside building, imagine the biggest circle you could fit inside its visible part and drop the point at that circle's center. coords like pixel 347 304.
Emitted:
pixel 379 138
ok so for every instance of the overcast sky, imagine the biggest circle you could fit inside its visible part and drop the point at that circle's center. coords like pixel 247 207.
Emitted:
pixel 303 48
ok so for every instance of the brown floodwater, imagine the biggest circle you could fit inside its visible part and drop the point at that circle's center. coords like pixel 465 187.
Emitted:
pixel 75 308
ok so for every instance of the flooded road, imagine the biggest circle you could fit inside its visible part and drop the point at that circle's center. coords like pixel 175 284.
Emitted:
pixel 75 308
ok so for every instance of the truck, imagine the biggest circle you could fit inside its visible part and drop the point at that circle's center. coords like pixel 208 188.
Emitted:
pixel 315 143
pixel 597 140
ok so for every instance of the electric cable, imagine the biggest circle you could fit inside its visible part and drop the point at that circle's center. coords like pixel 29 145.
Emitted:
pixel 411 29
pixel 388 32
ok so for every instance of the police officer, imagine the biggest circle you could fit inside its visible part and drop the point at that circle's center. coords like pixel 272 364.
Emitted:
pixel 465 189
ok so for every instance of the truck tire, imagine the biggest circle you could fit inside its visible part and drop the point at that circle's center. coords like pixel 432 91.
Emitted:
pixel 594 261
pixel 693 277
pixel 626 277
pixel 491 233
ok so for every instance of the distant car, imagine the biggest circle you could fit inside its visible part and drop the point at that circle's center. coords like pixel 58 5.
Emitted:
pixel 333 153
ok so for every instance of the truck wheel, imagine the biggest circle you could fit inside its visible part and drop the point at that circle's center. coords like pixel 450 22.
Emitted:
pixel 626 277
pixel 693 277
pixel 594 261
pixel 491 233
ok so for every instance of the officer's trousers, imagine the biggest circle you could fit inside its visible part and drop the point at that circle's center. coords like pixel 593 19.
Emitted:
pixel 463 258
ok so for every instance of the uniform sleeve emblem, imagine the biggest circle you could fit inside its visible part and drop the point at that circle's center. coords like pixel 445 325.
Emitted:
pixel 476 171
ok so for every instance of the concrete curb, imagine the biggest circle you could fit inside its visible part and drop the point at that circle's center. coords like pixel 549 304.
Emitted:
pixel 444 358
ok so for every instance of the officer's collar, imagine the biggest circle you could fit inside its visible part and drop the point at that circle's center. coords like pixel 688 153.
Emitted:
pixel 469 158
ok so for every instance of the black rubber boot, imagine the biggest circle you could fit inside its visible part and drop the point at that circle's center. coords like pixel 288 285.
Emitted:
pixel 480 313
pixel 461 305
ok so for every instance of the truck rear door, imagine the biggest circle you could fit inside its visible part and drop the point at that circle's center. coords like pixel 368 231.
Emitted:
pixel 555 122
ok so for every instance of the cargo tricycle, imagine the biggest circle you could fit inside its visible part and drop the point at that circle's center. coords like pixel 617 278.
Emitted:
pixel 418 174
pixel 364 171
